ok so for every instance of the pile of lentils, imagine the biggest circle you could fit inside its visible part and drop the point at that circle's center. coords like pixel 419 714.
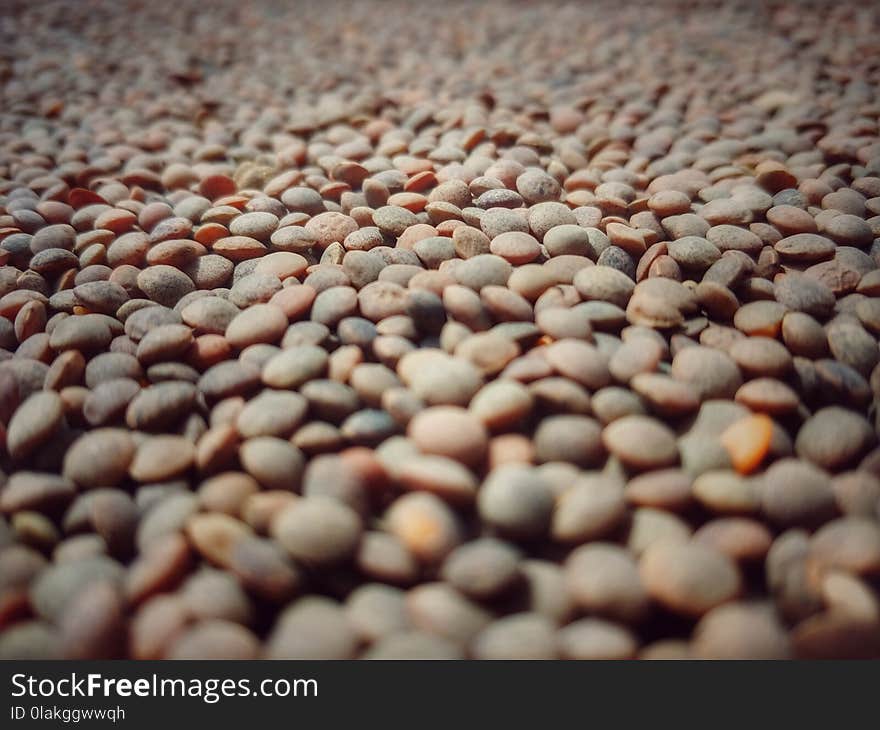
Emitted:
pixel 439 330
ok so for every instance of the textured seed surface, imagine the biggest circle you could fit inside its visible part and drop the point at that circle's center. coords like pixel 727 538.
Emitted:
pixel 496 330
